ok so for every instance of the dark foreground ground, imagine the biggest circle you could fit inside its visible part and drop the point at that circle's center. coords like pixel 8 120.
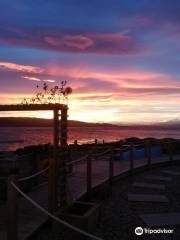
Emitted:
pixel 119 217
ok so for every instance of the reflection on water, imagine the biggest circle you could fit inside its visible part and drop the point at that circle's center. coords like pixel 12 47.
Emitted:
pixel 35 135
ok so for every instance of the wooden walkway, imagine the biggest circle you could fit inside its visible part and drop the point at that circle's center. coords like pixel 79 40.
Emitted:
pixel 30 217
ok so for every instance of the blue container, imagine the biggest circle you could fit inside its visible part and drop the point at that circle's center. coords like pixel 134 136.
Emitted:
pixel 156 152
pixel 140 153
pixel 126 156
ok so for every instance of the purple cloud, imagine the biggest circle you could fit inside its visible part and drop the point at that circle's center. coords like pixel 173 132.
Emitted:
pixel 98 43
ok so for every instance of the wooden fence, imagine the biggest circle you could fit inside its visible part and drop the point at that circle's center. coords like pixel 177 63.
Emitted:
pixel 13 195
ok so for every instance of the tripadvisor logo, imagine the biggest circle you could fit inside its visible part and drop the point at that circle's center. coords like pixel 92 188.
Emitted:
pixel 139 231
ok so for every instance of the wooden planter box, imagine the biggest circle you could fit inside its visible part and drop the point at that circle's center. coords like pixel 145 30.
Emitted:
pixel 84 215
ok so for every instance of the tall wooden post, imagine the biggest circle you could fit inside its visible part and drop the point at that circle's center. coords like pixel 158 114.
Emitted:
pixel 111 167
pixel 12 213
pixel 63 159
pixel 69 159
pixel 53 174
pixel 131 159
pixel 64 126
pixel 50 186
pixel 89 175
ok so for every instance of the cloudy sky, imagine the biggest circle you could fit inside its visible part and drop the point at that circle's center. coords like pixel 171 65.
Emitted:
pixel 121 57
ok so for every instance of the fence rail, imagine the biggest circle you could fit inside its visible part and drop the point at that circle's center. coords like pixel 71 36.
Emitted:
pixel 33 175
pixel 14 190
pixel 43 210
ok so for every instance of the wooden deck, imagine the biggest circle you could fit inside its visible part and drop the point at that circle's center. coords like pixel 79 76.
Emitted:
pixel 30 217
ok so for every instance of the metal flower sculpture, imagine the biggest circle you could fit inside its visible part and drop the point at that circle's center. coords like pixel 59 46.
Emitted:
pixel 46 95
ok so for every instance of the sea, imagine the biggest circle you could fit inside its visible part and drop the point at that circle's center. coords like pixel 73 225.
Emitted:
pixel 12 138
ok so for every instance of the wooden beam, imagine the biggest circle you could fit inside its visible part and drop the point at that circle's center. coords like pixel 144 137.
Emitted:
pixel 32 107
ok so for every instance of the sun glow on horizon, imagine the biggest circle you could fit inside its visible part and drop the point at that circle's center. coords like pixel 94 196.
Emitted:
pixel 103 110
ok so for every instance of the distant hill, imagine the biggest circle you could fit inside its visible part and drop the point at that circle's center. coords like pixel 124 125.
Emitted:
pixel 173 122
pixel 41 122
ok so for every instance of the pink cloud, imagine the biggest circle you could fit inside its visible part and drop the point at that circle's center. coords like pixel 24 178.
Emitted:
pixel 99 43
pixel 76 41
pixel 38 79
pixel 20 68
pixel 49 80
pixel 124 78
pixel 102 93
pixel 92 84
pixel 32 78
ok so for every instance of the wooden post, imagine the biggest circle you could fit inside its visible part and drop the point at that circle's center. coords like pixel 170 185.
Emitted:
pixel 170 150
pixel 69 159
pixel 148 151
pixel 12 213
pixel 89 175
pixel 131 159
pixel 35 167
pixel 111 167
pixel 52 186
pixel 75 152
pixel 63 159
pixel 53 175
pixel 64 127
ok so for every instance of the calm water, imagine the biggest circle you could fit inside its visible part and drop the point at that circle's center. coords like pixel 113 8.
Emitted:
pixel 37 135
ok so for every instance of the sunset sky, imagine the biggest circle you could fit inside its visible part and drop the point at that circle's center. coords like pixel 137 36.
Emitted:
pixel 121 57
